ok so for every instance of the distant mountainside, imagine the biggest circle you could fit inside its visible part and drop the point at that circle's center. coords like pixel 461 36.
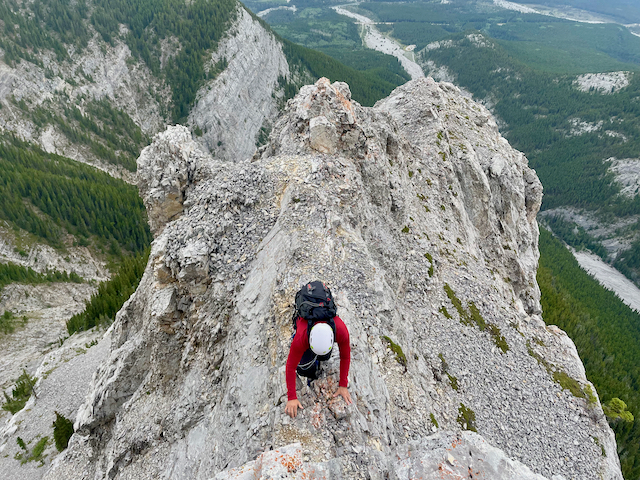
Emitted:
pixel 94 81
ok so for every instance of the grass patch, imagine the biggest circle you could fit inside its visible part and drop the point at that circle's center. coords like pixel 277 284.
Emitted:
pixel 443 310
pixel 395 348
pixel 563 379
pixel 430 258
pixel 467 418
pixel 20 394
pixel 568 383
pixel 473 317
pixel 433 420
pixel 453 381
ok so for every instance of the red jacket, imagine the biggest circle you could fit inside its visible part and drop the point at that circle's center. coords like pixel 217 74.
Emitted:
pixel 300 345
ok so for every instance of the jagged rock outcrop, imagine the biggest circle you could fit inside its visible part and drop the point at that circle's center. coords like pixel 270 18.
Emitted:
pixel 422 219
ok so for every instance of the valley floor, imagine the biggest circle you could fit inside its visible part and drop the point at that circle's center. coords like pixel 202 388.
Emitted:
pixel 610 278
pixel 375 40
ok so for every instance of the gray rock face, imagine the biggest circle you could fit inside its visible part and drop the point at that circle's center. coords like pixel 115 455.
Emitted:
pixel 422 219
pixel 63 378
pixel 442 455
pixel 233 108
pixel 127 87
pixel 163 179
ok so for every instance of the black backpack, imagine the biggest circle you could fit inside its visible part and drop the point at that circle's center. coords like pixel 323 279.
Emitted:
pixel 314 303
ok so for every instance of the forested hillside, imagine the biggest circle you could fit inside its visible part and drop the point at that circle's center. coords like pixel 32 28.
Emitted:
pixel 366 88
pixel 48 196
pixel 606 333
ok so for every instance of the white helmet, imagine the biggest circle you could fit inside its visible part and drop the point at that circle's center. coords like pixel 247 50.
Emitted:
pixel 321 338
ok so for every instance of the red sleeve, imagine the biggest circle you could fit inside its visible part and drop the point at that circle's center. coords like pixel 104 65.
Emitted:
pixel 299 345
pixel 342 337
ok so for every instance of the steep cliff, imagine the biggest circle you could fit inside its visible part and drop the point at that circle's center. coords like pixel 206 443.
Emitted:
pixel 422 219
pixel 233 108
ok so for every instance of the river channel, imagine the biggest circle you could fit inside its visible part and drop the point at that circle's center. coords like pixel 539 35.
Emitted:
pixel 375 40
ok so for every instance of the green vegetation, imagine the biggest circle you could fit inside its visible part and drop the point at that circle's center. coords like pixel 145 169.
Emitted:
pixel 395 348
pixel 568 383
pixel 336 42
pixel 197 26
pixel 543 42
pixel 574 235
pixel 453 381
pixel 433 420
pixel 62 431
pixel 466 418
pixel 443 363
pixel 563 379
pixel 109 133
pixel 473 317
pixel 24 35
pixel 191 28
pixel 596 440
pixel 48 195
pixel 365 89
pixel 10 272
pixel 606 333
pixel 430 258
pixel 8 322
pixel 616 410
pixel 35 455
pixel 20 394
pixel 111 295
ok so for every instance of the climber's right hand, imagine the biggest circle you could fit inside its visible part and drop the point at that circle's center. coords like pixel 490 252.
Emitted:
pixel 291 408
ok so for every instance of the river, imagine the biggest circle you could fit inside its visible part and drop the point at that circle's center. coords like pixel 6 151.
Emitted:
pixel 375 40
pixel 610 278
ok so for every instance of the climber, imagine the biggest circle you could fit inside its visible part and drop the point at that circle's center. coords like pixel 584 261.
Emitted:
pixel 315 327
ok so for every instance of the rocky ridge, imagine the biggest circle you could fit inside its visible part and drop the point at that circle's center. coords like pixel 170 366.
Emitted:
pixel 422 219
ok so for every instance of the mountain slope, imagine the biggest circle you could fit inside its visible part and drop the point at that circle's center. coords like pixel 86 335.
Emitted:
pixel 422 219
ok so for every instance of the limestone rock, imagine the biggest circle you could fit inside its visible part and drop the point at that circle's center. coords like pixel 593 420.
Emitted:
pixel 232 108
pixel 422 219
pixel 163 180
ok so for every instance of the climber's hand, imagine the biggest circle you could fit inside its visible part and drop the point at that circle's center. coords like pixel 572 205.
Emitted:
pixel 345 394
pixel 291 408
